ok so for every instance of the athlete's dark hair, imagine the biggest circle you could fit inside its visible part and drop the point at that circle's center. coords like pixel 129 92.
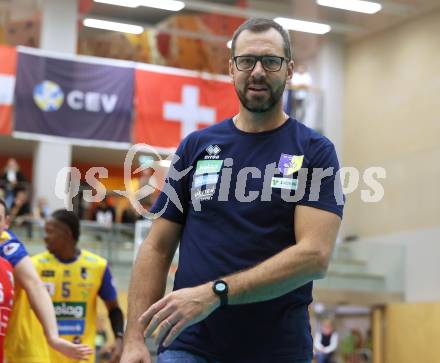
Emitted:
pixel 3 203
pixel 259 25
pixel 70 219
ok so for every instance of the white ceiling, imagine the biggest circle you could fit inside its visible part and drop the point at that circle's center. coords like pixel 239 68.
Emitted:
pixel 343 22
pixel 349 25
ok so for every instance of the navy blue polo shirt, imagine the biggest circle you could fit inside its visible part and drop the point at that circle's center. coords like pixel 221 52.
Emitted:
pixel 237 194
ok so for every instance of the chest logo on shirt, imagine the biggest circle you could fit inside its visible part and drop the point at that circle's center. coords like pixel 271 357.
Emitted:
pixel 70 317
pixel 213 151
pixel 208 166
pixel 290 164
pixel 70 310
pixel 284 183
pixel 48 273
pixel 10 248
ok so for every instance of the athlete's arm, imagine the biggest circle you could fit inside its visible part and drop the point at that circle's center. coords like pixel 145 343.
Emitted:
pixel 117 322
pixel 107 292
pixel 41 303
pixel 148 282
pixel 307 260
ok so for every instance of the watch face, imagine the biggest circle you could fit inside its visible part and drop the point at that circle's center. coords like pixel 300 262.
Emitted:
pixel 220 287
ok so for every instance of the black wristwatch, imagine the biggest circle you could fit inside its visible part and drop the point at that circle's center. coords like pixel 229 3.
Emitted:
pixel 220 288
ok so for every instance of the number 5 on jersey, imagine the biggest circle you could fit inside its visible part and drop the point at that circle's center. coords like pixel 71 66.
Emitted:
pixel 65 289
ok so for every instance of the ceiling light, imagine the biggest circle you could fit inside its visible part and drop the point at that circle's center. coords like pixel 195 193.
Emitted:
pixel 127 3
pixel 352 5
pixel 171 5
pixel 114 26
pixel 303 26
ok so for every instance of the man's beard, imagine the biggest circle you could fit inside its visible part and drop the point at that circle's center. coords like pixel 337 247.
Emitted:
pixel 256 106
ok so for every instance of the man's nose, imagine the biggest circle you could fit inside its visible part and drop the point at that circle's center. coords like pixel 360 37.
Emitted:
pixel 258 69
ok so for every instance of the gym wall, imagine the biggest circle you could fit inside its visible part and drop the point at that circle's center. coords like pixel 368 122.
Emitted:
pixel 391 120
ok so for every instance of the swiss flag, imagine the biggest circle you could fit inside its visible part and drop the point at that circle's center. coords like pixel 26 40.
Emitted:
pixel 8 65
pixel 172 103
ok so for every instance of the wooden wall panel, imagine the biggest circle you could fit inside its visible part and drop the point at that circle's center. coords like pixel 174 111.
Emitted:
pixel 412 333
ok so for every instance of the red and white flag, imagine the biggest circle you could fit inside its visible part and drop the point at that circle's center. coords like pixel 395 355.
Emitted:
pixel 171 103
pixel 8 65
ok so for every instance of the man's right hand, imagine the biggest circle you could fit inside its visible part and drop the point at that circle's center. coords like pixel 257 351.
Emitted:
pixel 135 352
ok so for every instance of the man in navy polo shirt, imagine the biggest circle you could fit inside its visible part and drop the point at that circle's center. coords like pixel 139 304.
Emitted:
pixel 258 210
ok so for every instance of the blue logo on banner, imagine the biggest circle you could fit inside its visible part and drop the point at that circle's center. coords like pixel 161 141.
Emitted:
pixel 48 96
pixel 71 327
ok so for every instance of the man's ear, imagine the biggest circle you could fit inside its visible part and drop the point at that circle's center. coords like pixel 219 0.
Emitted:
pixel 231 70
pixel 290 70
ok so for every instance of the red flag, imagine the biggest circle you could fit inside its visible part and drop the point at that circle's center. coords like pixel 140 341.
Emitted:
pixel 171 103
pixel 8 63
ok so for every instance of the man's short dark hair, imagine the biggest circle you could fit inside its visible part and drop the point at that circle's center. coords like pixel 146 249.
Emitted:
pixel 5 206
pixel 70 219
pixel 259 25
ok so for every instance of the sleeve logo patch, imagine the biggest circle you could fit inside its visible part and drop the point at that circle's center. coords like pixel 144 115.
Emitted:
pixel 11 248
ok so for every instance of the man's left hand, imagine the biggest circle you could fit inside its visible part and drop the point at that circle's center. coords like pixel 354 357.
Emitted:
pixel 177 311
pixel 116 351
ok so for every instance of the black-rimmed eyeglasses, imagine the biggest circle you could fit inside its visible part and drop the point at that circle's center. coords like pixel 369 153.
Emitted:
pixel 270 63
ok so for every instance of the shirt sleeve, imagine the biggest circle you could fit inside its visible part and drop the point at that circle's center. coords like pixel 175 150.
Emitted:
pixel 317 342
pixel 174 198
pixel 333 344
pixel 107 291
pixel 323 189
pixel 13 251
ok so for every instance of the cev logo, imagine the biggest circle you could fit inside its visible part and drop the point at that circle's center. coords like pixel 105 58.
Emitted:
pixel 49 97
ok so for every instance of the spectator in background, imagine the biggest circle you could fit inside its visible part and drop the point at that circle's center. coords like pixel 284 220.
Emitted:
pixel 350 344
pixel 104 213
pixel 21 208
pixel 41 210
pixel 20 212
pixel 326 342
pixel 12 180
pixel 130 215
pixel 301 83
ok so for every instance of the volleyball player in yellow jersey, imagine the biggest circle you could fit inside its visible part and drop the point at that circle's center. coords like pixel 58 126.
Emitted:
pixel 27 280
pixel 74 279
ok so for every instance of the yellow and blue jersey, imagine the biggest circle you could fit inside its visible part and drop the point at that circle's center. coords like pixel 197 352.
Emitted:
pixel 74 287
